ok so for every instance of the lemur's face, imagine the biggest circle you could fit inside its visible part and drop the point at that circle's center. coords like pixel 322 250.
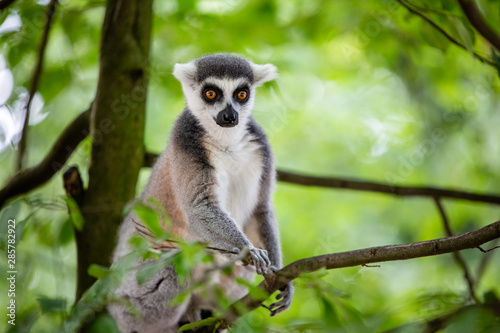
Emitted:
pixel 220 88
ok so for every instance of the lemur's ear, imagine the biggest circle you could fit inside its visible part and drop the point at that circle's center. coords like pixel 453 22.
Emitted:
pixel 185 73
pixel 264 73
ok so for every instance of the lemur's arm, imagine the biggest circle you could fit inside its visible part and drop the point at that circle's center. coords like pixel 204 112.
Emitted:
pixel 269 234
pixel 268 227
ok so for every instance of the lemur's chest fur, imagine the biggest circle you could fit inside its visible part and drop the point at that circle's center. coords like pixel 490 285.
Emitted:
pixel 238 170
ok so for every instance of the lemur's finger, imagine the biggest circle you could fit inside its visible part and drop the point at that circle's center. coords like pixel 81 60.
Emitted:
pixel 259 263
pixel 256 262
pixel 280 306
pixel 266 257
pixel 282 294
pixel 279 310
pixel 264 260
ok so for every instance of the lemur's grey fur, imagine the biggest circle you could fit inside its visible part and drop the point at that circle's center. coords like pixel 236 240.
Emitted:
pixel 223 65
pixel 215 179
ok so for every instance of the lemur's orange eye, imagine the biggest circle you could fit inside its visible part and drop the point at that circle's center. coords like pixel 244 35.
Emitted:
pixel 210 94
pixel 242 94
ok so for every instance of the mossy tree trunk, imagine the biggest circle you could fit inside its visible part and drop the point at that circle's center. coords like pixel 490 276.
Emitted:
pixel 117 131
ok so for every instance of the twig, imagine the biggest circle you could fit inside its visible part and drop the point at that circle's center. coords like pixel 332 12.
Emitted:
pixel 5 3
pixel 489 250
pixel 446 34
pixel 485 260
pixel 370 266
pixel 160 246
pixel 29 179
pixel 456 255
pixel 475 18
pixel 292 271
pixel 34 82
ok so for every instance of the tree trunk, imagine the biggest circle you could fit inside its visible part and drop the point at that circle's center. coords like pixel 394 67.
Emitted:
pixel 117 131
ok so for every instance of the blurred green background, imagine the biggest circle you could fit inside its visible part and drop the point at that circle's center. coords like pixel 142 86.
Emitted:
pixel 366 90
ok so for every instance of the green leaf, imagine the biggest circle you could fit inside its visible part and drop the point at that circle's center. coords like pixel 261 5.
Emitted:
pixel 75 214
pixel 201 323
pixel 330 315
pixel 190 256
pixel 180 298
pixel 466 34
pixel 256 292
pixel 103 323
pixel 150 218
pixel 491 297
pixel 66 232
pixel 148 271
pixel 52 305
pixel 98 271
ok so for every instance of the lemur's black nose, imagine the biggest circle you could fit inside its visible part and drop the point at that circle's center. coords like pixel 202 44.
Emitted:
pixel 227 117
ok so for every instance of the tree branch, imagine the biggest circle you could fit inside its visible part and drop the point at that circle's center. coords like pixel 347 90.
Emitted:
pixel 446 34
pixel 29 179
pixel 281 278
pixel 34 82
pixel 403 191
pixel 474 16
pixel 456 255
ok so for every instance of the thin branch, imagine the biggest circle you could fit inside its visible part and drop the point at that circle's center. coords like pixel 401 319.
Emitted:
pixel 34 82
pixel 446 34
pixel 403 191
pixel 281 278
pixel 5 3
pixel 488 254
pixel 29 179
pixel 489 250
pixel 163 246
pixel 456 255
pixel 472 12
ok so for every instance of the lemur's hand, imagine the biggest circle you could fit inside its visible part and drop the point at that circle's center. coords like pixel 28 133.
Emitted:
pixel 258 258
pixel 285 297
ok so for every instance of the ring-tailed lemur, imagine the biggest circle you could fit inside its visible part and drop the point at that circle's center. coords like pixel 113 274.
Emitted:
pixel 215 179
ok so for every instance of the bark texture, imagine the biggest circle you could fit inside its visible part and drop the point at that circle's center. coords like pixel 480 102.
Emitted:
pixel 117 129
